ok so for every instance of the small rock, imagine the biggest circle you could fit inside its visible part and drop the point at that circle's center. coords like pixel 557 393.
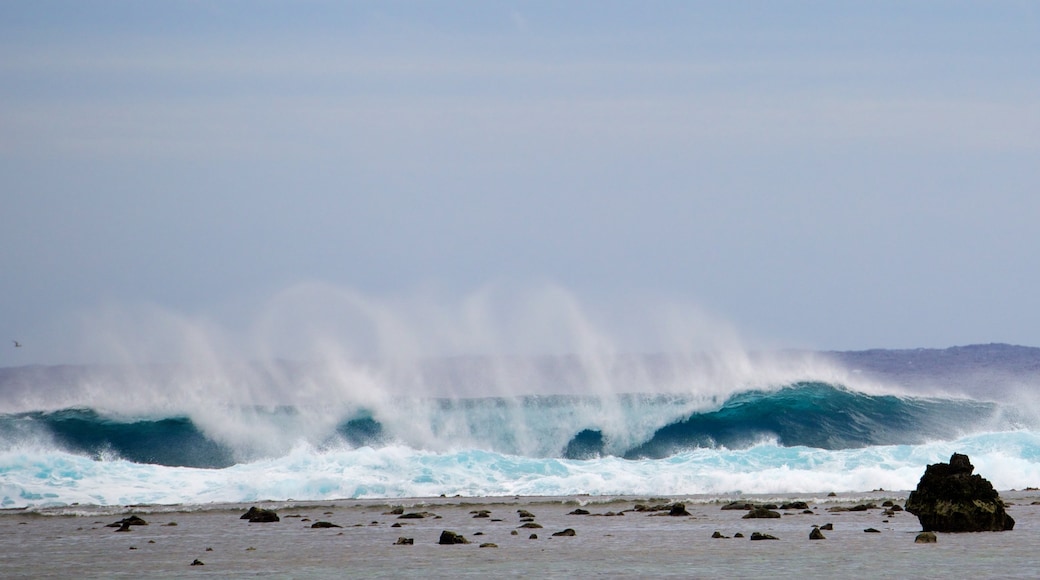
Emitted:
pixel 403 541
pixel 197 562
pixel 489 545
pixel 449 537
pixel 567 532
pixel 761 512
pixel 579 512
pixel 926 538
pixel 872 531
pixel 738 535
pixel 324 525
pixel 678 509
pixel 525 514
pixel 719 535
pixel 758 536
pixel 816 534
pixel 258 515
pixel 827 526
pixel 531 525
pixel 532 537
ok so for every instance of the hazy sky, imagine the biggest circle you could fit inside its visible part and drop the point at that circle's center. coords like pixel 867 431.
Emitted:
pixel 452 175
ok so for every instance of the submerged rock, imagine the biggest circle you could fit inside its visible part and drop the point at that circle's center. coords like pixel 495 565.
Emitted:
pixel 950 499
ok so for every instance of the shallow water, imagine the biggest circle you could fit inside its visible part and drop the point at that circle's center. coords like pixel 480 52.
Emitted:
pixel 47 544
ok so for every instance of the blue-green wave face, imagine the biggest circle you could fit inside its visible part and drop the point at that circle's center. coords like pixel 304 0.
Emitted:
pixel 816 415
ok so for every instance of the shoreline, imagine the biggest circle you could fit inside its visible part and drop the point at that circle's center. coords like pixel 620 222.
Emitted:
pixel 612 540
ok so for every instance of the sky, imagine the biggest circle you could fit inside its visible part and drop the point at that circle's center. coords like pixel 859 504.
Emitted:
pixel 269 178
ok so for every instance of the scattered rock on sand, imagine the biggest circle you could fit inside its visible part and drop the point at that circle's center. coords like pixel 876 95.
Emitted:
pixel 950 499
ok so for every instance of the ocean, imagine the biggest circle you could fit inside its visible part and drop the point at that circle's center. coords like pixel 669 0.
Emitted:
pixel 708 425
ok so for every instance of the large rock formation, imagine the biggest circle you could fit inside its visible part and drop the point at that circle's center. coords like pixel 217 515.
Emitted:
pixel 950 499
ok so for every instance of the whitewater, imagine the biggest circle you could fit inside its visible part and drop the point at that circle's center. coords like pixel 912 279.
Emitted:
pixel 621 425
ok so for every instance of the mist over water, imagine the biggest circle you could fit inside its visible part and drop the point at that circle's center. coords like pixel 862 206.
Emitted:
pixel 326 392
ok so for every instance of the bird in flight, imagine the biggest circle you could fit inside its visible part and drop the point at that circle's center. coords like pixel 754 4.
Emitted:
pixel 17 344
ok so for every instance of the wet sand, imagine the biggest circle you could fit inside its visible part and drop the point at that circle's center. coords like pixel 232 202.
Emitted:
pixel 74 541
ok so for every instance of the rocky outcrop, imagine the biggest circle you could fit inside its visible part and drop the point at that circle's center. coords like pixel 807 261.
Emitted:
pixel 950 499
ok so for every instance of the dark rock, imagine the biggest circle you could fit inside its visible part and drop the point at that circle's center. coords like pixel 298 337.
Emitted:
pixel 524 514
pixel 394 512
pixel 396 525
pixel 718 535
pixel 761 512
pixel 124 528
pixel 678 509
pixel 795 505
pixel 489 545
pixel 129 521
pixel 403 541
pixel 738 535
pixel 926 538
pixel 197 562
pixel 567 532
pixel 739 505
pixel 482 514
pixel 872 531
pixel 448 538
pixel 415 516
pixel 579 512
pixel 532 537
pixel 827 526
pixel 532 525
pixel 757 536
pixel 324 525
pixel 816 534
pixel 256 514
pixel 950 499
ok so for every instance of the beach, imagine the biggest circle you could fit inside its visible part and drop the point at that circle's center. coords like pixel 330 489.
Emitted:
pixel 613 540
